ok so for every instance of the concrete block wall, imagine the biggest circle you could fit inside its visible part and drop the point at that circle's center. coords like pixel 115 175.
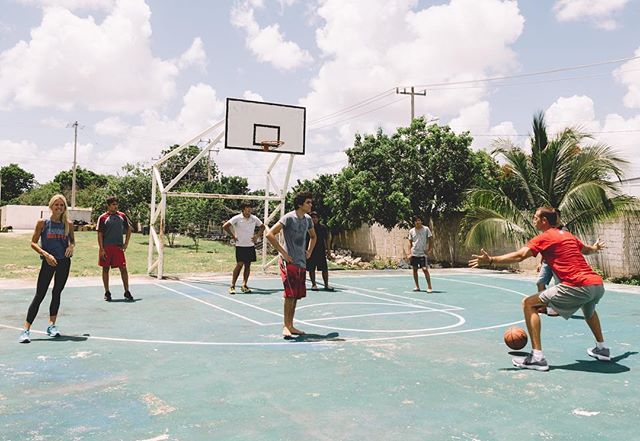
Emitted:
pixel 621 257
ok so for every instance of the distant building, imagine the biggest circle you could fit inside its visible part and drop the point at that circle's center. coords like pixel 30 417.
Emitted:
pixel 24 217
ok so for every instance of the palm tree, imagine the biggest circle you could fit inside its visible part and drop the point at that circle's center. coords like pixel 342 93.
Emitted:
pixel 560 172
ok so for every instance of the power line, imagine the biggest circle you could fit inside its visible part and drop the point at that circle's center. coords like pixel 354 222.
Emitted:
pixel 531 74
pixel 354 106
pixel 356 116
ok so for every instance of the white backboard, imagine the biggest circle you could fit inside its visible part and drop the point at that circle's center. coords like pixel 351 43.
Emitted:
pixel 248 123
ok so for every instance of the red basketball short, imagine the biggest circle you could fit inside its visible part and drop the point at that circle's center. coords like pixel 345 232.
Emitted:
pixel 114 259
pixel 293 279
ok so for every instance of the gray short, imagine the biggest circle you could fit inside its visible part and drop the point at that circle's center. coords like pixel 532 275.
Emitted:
pixel 568 299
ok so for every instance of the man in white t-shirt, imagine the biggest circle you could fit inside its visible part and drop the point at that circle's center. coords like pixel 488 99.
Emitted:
pixel 245 236
pixel 420 244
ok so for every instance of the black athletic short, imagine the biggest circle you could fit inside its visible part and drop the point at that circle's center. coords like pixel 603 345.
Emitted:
pixel 246 254
pixel 419 262
pixel 317 261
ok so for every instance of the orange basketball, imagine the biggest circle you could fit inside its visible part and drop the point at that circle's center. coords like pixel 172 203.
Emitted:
pixel 515 338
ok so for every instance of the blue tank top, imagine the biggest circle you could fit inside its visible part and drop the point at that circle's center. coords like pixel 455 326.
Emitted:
pixel 53 240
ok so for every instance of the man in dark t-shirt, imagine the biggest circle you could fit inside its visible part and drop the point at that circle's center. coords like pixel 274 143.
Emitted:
pixel 112 225
pixel 319 255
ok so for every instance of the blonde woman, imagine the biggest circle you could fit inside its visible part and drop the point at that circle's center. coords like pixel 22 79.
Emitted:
pixel 56 248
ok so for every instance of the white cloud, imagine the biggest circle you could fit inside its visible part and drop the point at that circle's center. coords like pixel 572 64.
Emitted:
pixel 194 56
pixel 476 120
pixel 72 61
pixel 249 95
pixel 55 123
pixel 72 4
pixel 599 12
pixel 268 44
pixel 623 135
pixel 46 161
pixel 370 47
pixel 112 126
pixel 629 75
pixel 576 111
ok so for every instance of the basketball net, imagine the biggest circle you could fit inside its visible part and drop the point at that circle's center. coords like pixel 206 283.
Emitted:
pixel 268 146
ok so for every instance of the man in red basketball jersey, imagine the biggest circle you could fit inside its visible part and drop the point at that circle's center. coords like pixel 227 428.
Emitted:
pixel 580 286
pixel 111 226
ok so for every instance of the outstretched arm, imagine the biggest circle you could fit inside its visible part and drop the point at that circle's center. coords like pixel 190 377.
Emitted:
pixel 590 249
pixel 514 257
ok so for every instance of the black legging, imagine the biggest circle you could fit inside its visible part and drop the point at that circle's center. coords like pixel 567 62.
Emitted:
pixel 47 272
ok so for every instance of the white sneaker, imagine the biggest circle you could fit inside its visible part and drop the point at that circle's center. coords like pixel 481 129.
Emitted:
pixel 24 337
pixel 600 354
pixel 52 331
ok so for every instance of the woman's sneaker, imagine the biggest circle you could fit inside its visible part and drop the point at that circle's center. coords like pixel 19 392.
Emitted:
pixel 529 363
pixel 107 296
pixel 52 331
pixel 601 354
pixel 128 297
pixel 24 337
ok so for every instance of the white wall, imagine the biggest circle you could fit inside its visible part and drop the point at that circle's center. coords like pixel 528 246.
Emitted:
pixel 24 217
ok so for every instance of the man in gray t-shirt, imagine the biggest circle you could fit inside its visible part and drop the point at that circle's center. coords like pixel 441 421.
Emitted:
pixel 293 257
pixel 420 245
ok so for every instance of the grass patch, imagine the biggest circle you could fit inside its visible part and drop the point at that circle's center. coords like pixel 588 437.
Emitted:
pixel 19 261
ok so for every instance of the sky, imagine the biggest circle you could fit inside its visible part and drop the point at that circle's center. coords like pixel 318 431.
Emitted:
pixel 141 75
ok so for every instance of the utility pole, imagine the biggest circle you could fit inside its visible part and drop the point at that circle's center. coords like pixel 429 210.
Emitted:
pixel 73 178
pixel 413 93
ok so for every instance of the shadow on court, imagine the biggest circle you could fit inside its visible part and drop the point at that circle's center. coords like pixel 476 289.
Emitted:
pixel 63 338
pixel 595 366
pixel 124 301
pixel 591 365
pixel 332 336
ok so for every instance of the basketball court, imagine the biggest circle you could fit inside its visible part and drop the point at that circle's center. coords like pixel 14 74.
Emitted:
pixel 187 361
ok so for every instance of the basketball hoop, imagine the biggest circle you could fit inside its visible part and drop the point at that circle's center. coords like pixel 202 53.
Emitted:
pixel 268 146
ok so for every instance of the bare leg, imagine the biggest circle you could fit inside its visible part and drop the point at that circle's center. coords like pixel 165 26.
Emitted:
pixel 289 311
pixel 325 278
pixel 245 274
pixel 415 278
pixel 124 275
pixel 594 325
pixel 427 276
pixel 312 277
pixel 236 273
pixel 105 278
pixel 530 307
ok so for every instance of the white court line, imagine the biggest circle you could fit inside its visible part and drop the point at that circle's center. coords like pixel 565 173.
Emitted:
pixel 340 285
pixel 209 304
pixel 484 285
pixel 228 297
pixel 179 342
pixel 460 321
pixel 306 343
pixel 360 303
pixel 341 317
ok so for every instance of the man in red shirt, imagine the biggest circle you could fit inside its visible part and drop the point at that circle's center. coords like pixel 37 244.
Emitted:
pixel 580 287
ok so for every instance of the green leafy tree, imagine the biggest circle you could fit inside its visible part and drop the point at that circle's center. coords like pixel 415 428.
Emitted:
pixel 15 182
pixel 320 188
pixel 84 179
pixel 419 169
pixel 39 195
pixel 199 172
pixel 560 172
